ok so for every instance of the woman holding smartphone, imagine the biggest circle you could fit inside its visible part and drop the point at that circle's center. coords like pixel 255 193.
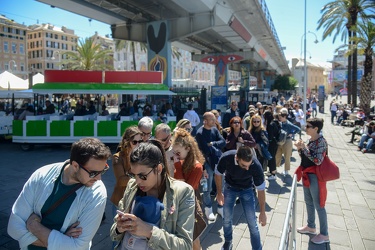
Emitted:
pixel 150 177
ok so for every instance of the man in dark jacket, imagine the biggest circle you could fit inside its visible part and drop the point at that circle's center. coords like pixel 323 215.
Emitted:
pixel 230 113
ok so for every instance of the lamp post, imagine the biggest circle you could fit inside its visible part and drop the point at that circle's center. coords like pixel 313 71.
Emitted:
pixel 305 72
pixel 53 56
pixel 10 65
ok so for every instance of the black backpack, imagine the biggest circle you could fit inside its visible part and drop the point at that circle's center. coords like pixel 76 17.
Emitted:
pixel 282 135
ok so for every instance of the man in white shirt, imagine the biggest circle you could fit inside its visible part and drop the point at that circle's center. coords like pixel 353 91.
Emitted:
pixel 193 117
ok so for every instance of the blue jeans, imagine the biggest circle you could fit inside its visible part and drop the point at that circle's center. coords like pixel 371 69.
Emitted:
pixel 248 205
pixel 206 195
pixel 363 139
pixel 369 144
pixel 333 115
pixel 311 195
pixel 207 202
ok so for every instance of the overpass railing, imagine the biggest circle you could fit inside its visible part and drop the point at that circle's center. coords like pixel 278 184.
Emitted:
pixel 288 236
pixel 270 23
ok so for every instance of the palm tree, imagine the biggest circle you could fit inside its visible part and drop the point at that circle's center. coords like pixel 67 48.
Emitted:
pixel 366 42
pixel 89 56
pixel 339 15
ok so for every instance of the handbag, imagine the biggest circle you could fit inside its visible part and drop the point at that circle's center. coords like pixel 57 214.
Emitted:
pixel 200 224
pixel 327 170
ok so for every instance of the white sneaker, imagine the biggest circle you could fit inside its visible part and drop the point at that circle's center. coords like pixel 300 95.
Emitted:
pixel 272 177
pixel 209 214
pixel 220 211
pixel 286 172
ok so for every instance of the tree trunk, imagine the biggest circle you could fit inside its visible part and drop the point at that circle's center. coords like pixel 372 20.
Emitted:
pixel 354 73
pixel 365 96
pixel 349 82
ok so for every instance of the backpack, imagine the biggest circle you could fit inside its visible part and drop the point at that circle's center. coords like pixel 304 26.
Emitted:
pixel 281 137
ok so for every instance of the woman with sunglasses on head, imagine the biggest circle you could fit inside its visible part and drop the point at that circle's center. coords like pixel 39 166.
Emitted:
pixel 121 161
pixel 272 127
pixel 260 136
pixel 237 135
pixel 314 189
pixel 185 124
pixel 150 178
pixel 189 168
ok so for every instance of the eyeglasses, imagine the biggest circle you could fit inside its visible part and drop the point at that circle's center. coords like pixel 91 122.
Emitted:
pixel 236 122
pixel 136 142
pixel 148 135
pixel 93 174
pixel 177 153
pixel 165 139
pixel 256 121
pixel 234 104
pixel 141 176
pixel 189 129
pixel 309 126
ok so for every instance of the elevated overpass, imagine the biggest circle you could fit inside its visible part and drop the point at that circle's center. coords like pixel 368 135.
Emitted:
pixel 202 27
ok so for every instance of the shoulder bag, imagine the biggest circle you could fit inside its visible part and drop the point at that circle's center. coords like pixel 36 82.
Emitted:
pixel 327 170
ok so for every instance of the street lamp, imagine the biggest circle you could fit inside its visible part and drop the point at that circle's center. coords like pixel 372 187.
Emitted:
pixel 10 65
pixel 305 66
pixel 53 56
pixel 305 72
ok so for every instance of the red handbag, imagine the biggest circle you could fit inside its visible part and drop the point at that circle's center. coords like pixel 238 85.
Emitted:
pixel 327 170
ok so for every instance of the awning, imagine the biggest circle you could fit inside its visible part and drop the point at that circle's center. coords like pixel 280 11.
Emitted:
pixel 102 88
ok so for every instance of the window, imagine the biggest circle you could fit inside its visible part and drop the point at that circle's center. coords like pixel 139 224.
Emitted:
pixel 34 35
pixel 22 66
pixel 6 66
pixel 22 49
pixel 56 36
pixel 39 34
pixel 6 47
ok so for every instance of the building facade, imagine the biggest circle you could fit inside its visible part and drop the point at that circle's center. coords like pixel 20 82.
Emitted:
pixel 13 41
pixel 46 44
pixel 315 75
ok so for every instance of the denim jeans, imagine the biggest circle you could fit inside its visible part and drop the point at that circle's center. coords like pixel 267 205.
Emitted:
pixel 333 115
pixel 311 195
pixel 363 139
pixel 206 195
pixel 248 205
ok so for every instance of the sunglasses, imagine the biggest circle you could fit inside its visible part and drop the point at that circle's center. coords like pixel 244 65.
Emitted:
pixel 189 129
pixel 93 174
pixel 136 142
pixel 141 176
pixel 236 122
pixel 165 139
pixel 256 121
pixel 148 135
pixel 309 126
pixel 177 153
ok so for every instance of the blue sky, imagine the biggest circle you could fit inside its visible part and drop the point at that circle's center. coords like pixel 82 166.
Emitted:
pixel 287 16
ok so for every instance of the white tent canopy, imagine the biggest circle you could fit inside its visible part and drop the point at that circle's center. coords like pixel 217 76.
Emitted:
pixel 10 81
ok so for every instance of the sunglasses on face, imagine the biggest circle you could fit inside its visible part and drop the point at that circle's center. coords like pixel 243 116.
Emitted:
pixel 140 176
pixel 236 122
pixel 309 126
pixel 148 135
pixel 189 129
pixel 135 142
pixel 93 174
pixel 256 121
pixel 165 139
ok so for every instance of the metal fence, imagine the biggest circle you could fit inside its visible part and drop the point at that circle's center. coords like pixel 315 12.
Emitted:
pixel 288 237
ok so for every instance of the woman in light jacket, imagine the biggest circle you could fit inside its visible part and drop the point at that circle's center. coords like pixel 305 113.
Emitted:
pixel 151 178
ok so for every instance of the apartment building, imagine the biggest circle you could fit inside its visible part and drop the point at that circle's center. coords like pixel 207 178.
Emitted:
pixel 315 74
pixel 13 40
pixel 105 43
pixel 46 44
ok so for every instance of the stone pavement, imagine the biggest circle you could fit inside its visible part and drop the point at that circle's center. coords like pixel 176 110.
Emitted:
pixel 350 204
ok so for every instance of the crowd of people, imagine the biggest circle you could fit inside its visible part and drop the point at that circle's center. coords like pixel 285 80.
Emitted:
pixel 165 181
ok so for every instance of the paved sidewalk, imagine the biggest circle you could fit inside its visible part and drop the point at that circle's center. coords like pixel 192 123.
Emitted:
pixel 350 204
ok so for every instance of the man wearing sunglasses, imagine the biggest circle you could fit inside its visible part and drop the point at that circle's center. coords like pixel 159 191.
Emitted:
pixel 61 205
pixel 163 134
